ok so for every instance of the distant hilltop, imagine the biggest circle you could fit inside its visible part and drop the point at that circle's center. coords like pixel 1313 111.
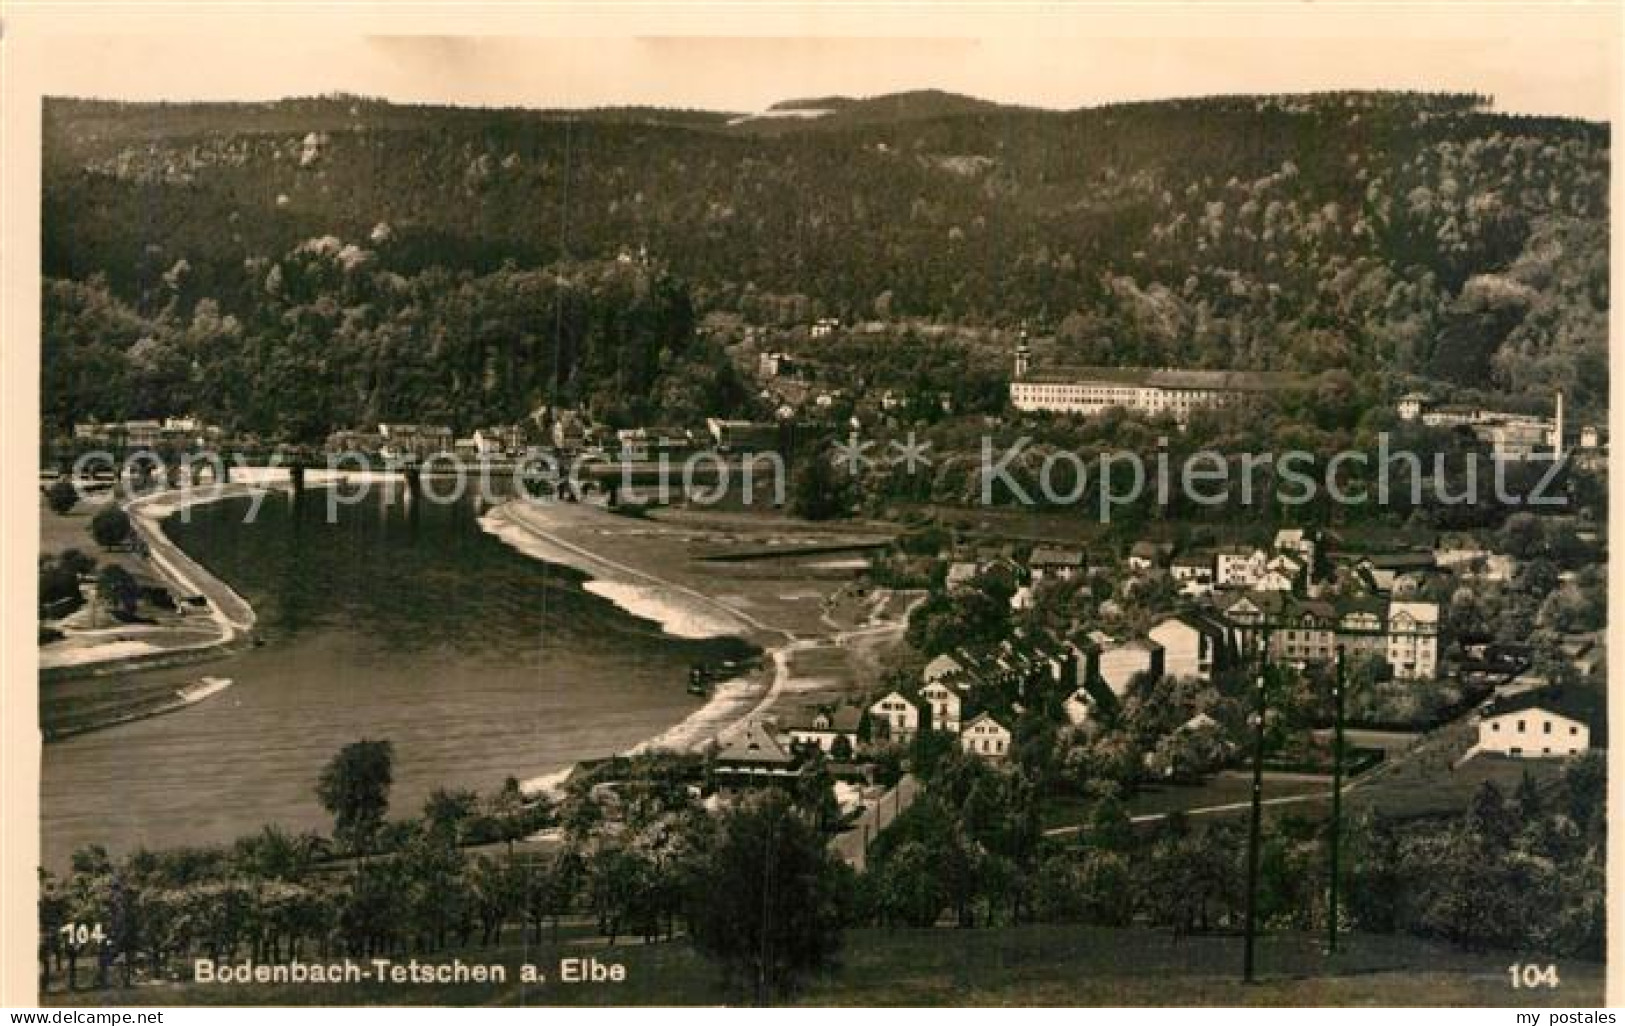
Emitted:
pixel 1416 235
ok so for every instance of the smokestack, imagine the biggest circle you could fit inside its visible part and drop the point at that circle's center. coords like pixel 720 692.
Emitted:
pixel 1557 430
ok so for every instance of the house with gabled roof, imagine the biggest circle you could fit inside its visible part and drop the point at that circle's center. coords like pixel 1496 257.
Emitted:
pixel 1238 566
pixel 1117 662
pixel 940 705
pixel 1549 722
pixel 1305 632
pixel 1050 561
pixel 1413 640
pixel 1193 645
pixel 986 738
pixel 833 730
pixel 944 665
pixel 894 717
pixel 754 756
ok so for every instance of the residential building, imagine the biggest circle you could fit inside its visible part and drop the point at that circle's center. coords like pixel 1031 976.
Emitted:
pixel 986 737
pixel 1239 566
pixel 142 434
pixel 754 756
pixel 651 443
pixel 1305 632
pixel 402 440
pixel 774 365
pixel 1057 562
pixel 943 667
pixel 827 729
pixel 1192 645
pixel 896 718
pixel 942 706
pixel 1116 663
pixel 1079 706
pixel 1361 628
pixel 1413 640
pixel 499 441
pixel 1144 555
pixel 1282 573
pixel 1193 571
pixel 1542 723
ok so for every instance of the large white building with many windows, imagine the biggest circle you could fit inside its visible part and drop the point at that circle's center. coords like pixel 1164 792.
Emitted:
pixel 1150 391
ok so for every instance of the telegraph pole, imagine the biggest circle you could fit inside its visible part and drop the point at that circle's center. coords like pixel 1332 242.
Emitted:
pixel 1255 828
pixel 1339 687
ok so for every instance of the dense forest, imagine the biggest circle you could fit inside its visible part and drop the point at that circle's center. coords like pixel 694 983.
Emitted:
pixel 461 263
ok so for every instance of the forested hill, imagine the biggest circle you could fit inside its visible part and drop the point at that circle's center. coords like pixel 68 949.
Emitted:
pixel 1383 232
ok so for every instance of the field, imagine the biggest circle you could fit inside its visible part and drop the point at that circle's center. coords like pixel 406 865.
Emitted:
pixel 1420 780
pixel 1026 965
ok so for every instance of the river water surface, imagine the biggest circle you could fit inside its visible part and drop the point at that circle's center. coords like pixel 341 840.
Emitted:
pixel 402 620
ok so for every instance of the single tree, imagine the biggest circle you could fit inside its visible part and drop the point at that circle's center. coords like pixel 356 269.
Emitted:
pixel 446 813
pixel 110 527
pixel 62 496
pixel 76 561
pixel 766 903
pixel 816 490
pixel 117 589
pixel 354 788
pixel 57 584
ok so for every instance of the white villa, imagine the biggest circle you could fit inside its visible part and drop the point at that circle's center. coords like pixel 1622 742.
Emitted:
pixel 942 704
pixel 899 717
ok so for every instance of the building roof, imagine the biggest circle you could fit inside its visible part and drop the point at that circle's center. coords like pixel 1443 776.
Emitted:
pixel 1171 378
pixel 1051 555
pixel 894 694
pixel 754 745
pixel 983 718
pixel 1425 613
pixel 942 666
pixel 1194 621
pixel 1577 702
pixel 1194 559
pixel 1418 560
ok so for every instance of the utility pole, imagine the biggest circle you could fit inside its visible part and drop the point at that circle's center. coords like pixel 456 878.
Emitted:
pixel 1339 688
pixel 1255 828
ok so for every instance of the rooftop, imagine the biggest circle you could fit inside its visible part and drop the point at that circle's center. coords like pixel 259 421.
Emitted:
pixel 1172 378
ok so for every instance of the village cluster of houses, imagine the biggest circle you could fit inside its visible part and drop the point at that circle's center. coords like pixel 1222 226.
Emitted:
pixel 146 434
pixel 563 430
pixel 1242 594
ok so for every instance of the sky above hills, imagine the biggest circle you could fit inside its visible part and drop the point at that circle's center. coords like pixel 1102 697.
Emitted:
pixel 1558 60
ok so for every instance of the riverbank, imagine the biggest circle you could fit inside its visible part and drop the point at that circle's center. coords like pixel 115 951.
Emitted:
pixel 662 573
pixel 227 622
pixel 230 619
pixel 539 531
